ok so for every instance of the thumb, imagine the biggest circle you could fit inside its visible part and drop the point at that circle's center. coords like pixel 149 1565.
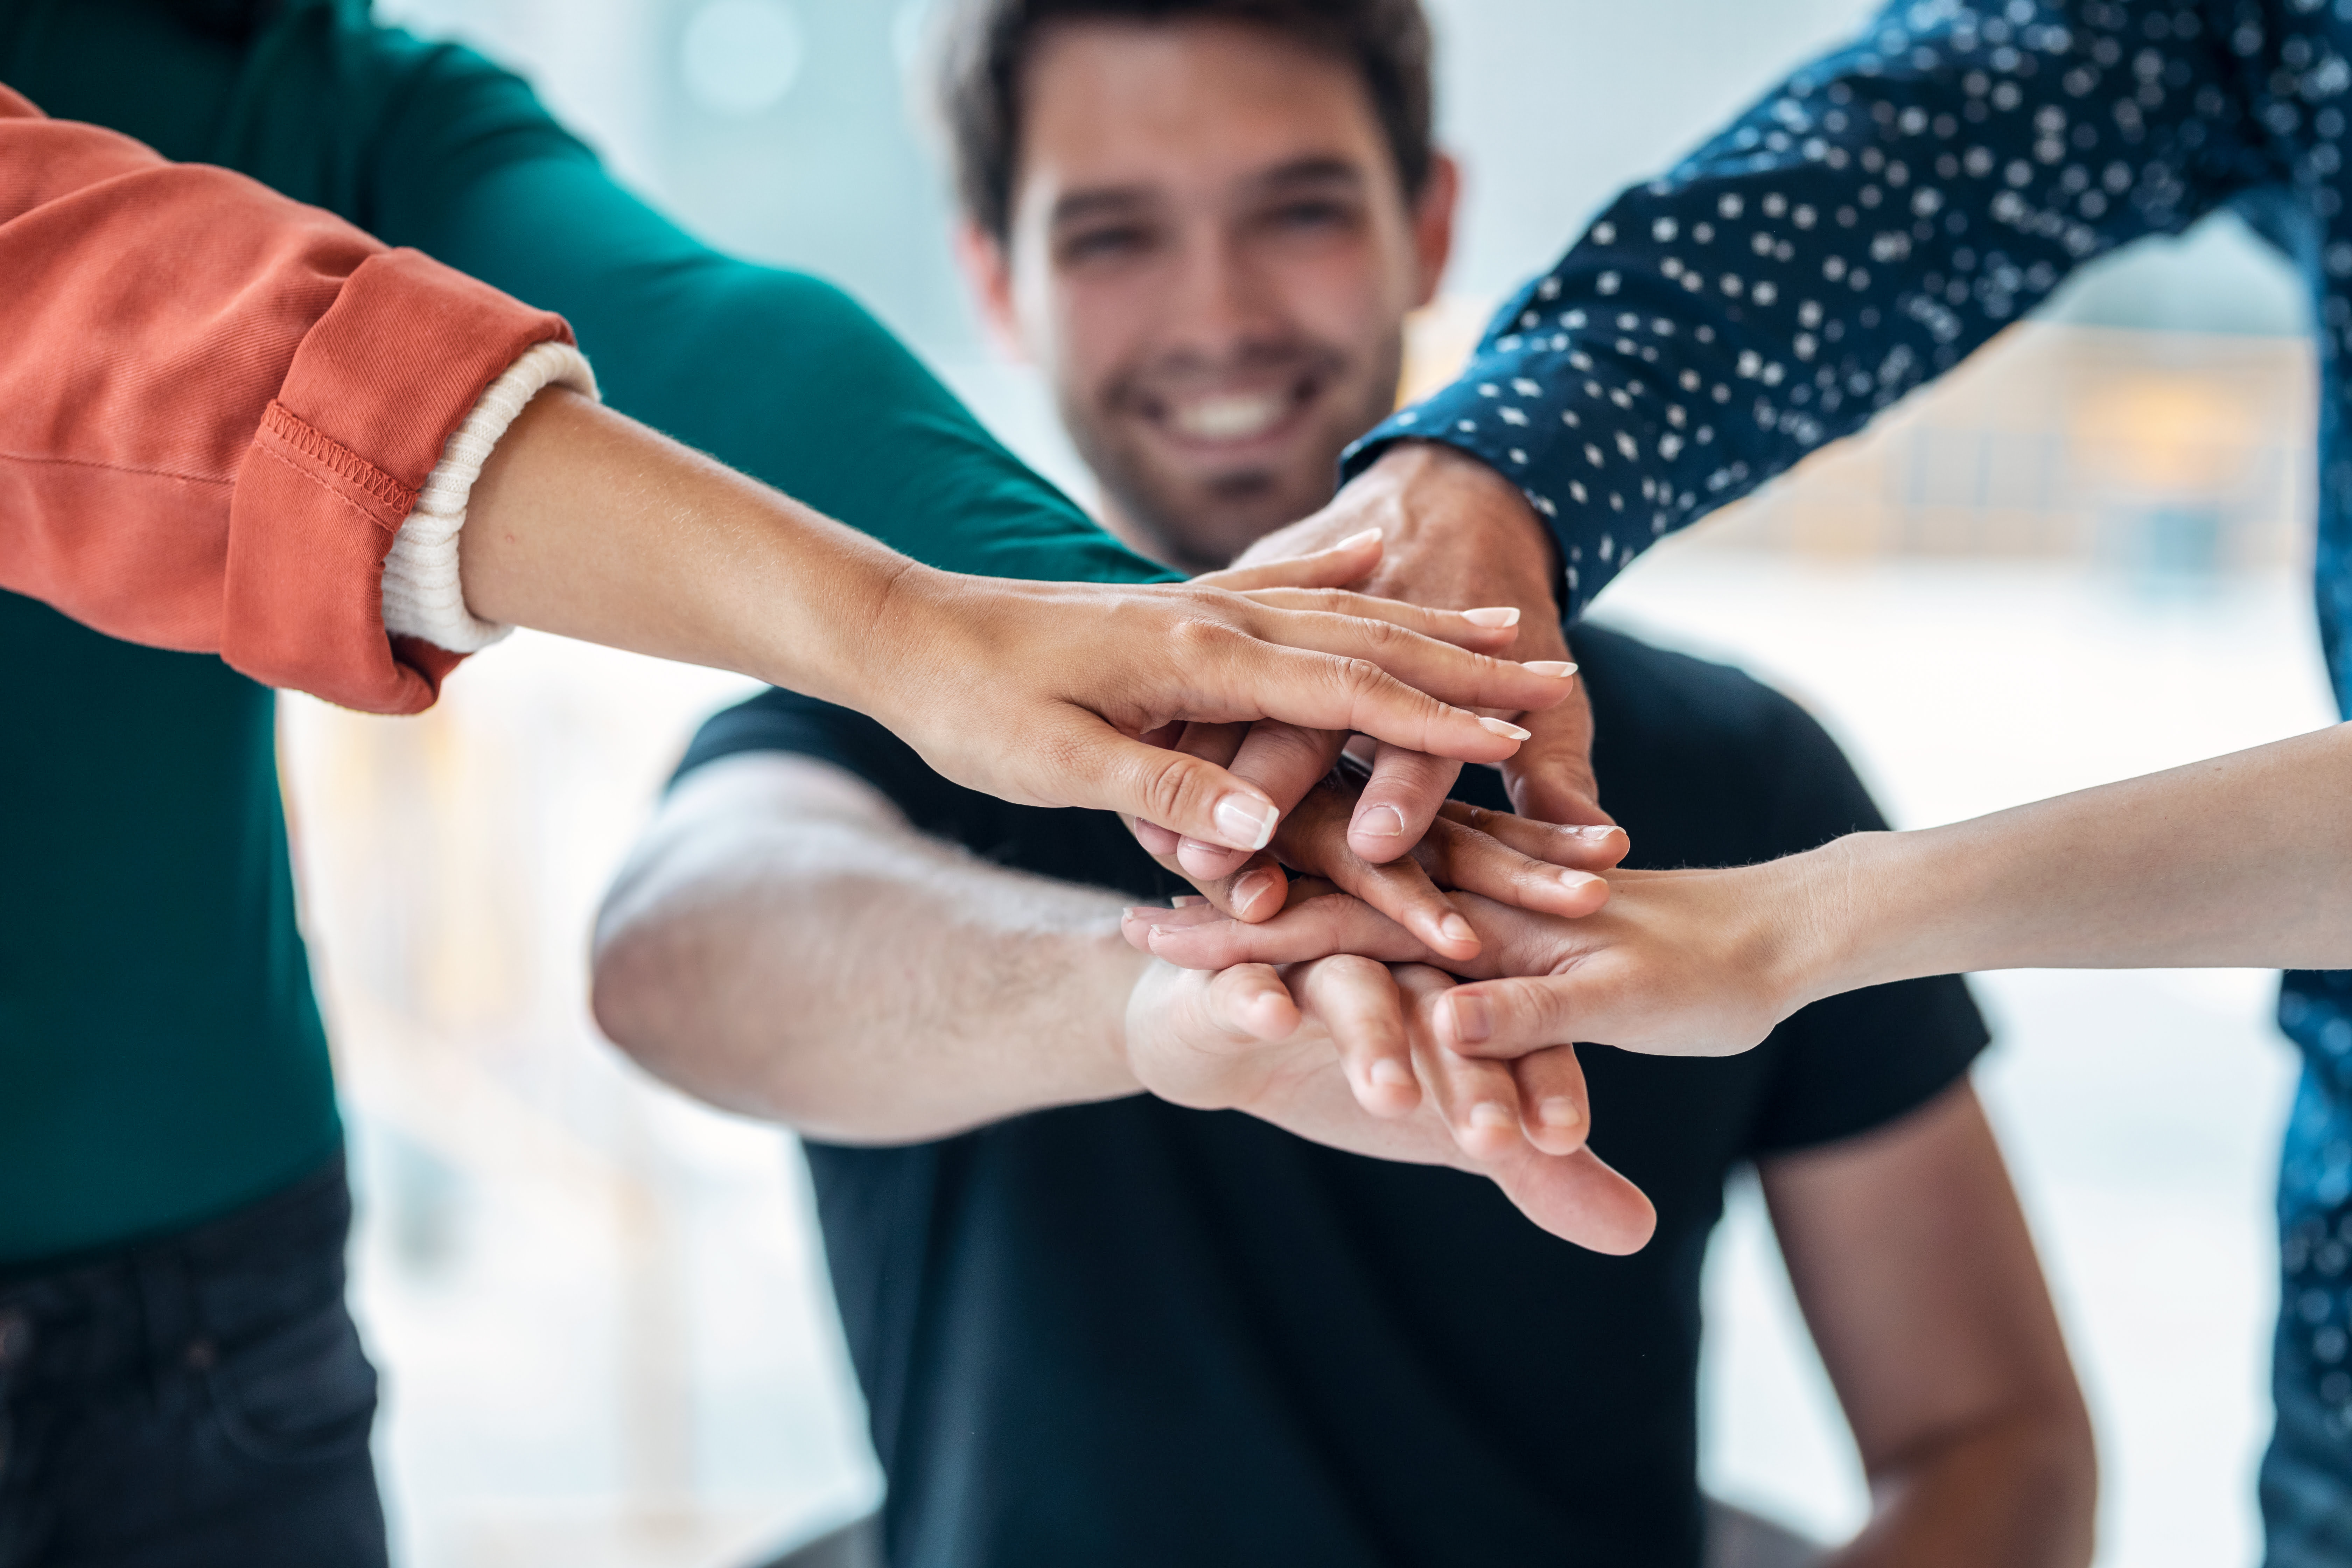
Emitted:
pixel 1349 562
pixel 1193 798
pixel 1549 777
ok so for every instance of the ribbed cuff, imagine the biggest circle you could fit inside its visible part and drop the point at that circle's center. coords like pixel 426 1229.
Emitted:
pixel 423 597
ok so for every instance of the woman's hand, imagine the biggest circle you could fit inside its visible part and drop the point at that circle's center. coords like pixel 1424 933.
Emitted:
pixel 1344 1051
pixel 1043 693
pixel 1676 963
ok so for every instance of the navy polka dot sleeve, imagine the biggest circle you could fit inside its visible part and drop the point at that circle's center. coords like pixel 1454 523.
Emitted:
pixel 1872 221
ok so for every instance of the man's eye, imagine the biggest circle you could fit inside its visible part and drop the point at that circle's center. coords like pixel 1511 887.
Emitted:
pixel 1096 243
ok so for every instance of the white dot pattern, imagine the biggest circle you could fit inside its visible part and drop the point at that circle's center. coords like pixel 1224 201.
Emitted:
pixel 1875 218
pixel 1868 223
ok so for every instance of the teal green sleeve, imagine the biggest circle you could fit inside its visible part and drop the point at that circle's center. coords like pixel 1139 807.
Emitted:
pixel 777 374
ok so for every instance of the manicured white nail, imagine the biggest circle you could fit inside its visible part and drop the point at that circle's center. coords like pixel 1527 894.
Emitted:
pixel 1254 887
pixel 1498 615
pixel 1559 668
pixel 1354 539
pixel 1187 901
pixel 1599 830
pixel 1508 731
pixel 1381 822
pixel 1250 823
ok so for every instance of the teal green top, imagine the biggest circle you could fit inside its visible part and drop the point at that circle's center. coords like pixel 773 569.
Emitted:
pixel 160 1055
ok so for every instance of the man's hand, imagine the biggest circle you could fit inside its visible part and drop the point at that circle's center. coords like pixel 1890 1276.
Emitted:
pixel 1353 1062
pixel 1456 535
pixel 1677 964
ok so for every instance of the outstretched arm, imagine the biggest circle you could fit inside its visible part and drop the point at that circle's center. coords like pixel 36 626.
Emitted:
pixel 784 944
pixel 2241 861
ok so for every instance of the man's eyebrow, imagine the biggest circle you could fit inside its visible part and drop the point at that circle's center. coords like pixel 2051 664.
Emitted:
pixel 1119 201
pixel 1103 201
pixel 1322 169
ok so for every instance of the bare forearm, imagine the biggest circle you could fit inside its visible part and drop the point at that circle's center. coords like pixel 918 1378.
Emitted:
pixel 2242 860
pixel 858 982
pixel 590 525
pixel 2017 1493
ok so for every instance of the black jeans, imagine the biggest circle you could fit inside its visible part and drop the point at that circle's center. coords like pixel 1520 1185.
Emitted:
pixel 198 1402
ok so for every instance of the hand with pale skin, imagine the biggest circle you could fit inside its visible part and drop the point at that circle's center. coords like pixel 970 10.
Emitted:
pixel 2238 861
pixel 1675 963
pixel 1343 1051
pixel 1453 534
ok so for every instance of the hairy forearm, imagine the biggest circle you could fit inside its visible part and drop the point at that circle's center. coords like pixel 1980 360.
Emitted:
pixel 843 975
pixel 2242 860
pixel 2017 1491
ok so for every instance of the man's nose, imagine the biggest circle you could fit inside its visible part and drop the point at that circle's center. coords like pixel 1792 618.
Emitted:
pixel 1220 302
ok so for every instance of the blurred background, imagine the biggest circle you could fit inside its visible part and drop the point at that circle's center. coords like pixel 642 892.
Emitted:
pixel 602 1311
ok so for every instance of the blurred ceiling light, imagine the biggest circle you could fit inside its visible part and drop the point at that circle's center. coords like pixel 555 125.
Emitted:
pixel 740 58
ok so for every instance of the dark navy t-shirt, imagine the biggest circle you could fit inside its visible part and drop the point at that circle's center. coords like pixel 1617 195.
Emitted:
pixel 1129 1333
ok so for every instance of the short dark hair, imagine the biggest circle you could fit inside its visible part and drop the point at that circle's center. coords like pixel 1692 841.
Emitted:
pixel 986 46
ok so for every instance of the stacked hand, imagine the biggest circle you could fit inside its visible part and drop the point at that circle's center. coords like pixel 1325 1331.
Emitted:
pixel 1331 1005
pixel 1346 1051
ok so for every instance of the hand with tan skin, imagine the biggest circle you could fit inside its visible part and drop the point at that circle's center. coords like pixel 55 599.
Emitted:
pixel 784 944
pixel 1344 1051
pixel 588 524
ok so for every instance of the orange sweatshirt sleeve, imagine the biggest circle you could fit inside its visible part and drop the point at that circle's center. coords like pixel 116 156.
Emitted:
pixel 217 405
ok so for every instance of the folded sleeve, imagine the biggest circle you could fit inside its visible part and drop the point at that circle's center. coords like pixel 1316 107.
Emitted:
pixel 217 408
pixel 1866 225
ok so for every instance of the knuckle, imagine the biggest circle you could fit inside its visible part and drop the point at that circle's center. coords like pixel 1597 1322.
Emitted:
pixel 1360 678
pixel 1165 784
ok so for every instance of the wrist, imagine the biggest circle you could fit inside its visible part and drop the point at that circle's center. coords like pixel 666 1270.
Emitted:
pixel 893 627
pixel 1830 933
pixel 1453 513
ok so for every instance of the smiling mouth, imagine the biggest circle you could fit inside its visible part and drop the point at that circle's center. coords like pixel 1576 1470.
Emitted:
pixel 1234 418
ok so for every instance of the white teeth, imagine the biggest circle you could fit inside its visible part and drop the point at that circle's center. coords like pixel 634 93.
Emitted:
pixel 1231 416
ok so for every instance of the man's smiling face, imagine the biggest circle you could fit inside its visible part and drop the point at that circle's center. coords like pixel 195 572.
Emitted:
pixel 1212 256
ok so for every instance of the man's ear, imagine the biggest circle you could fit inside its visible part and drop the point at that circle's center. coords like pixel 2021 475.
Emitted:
pixel 1433 224
pixel 988 268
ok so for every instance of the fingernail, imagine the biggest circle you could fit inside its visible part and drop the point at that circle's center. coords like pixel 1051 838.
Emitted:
pixel 1254 887
pixel 1559 1113
pixel 1576 882
pixel 1473 1021
pixel 1560 668
pixel 1250 823
pixel 1381 822
pixel 1487 1113
pixel 1392 1073
pixel 1148 915
pixel 1493 726
pixel 1453 928
pixel 1495 616
pixel 1353 540
pixel 1187 901
pixel 1599 831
